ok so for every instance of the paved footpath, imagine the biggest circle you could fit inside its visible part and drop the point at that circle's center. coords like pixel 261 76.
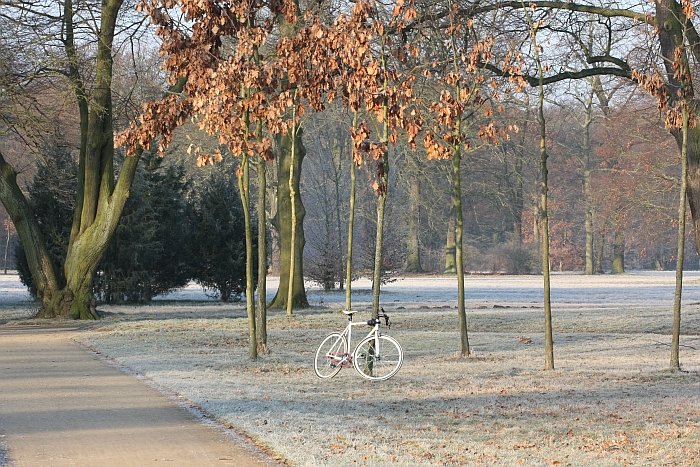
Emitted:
pixel 60 405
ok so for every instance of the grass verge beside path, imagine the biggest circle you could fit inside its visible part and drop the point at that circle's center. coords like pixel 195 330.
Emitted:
pixel 611 400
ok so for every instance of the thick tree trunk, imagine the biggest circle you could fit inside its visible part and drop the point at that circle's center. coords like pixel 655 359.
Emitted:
pixel 283 224
pixel 618 259
pixel 671 30
pixel 413 262
pixel 28 230
pixel 693 180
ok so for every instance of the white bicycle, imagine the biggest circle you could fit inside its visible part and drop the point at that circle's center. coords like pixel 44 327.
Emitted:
pixel 377 357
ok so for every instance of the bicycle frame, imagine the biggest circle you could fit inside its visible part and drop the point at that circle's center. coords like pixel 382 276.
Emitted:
pixel 347 333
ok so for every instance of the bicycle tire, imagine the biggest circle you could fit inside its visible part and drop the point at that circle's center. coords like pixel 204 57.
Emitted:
pixel 325 364
pixel 381 367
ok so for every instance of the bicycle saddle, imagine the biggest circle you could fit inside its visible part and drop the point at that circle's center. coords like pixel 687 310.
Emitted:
pixel 350 312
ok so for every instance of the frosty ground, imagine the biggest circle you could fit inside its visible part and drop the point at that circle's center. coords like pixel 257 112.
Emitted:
pixel 611 400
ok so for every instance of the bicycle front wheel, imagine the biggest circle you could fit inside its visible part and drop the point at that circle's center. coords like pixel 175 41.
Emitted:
pixel 378 359
pixel 331 356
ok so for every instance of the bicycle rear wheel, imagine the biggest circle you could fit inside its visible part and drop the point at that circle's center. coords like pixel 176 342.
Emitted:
pixel 331 356
pixel 380 363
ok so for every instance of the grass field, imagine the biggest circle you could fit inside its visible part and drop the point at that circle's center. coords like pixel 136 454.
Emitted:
pixel 610 401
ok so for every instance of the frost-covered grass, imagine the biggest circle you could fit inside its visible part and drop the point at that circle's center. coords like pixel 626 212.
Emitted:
pixel 611 400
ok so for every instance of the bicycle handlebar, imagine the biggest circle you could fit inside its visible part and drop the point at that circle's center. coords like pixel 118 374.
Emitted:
pixel 374 321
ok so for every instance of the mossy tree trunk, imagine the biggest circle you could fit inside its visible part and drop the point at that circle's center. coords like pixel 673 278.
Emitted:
pixel 100 198
pixel 283 223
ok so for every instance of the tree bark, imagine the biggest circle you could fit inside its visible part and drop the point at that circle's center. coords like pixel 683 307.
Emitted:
pixel 283 224
pixel 618 259
pixel 244 189
pixel 543 211
pixel 587 190
pixel 413 260
pixel 261 325
pixel 677 296
pixel 450 264
pixel 458 235
pixel 351 223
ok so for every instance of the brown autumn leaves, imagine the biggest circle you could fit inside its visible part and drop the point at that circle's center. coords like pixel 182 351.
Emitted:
pixel 247 81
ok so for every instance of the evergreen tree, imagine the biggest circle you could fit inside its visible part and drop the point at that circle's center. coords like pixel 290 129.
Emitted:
pixel 219 239
pixel 149 254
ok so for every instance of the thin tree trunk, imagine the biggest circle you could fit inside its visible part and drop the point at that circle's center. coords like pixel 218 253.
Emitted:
pixel 459 234
pixel 382 192
pixel 587 194
pixel 518 199
pixel 676 330
pixel 351 223
pixel 413 261
pixel 244 189
pixel 261 325
pixel 8 230
pixel 544 215
pixel 293 216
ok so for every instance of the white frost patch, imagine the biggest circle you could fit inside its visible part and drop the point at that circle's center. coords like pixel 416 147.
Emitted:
pixel 610 402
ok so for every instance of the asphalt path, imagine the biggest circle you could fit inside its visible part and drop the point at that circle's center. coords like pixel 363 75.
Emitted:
pixel 61 405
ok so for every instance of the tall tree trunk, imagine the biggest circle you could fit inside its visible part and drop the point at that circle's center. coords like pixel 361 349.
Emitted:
pixel 671 30
pixel 543 212
pixel 676 329
pixel 382 191
pixel 351 223
pixel 293 214
pixel 243 176
pixel 100 200
pixel 261 324
pixel 28 230
pixel 587 193
pixel 618 259
pixel 459 234
pixel 588 268
pixel 283 223
pixel 600 252
pixel 518 199
pixel 693 180
pixel 450 264
pixel 413 262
